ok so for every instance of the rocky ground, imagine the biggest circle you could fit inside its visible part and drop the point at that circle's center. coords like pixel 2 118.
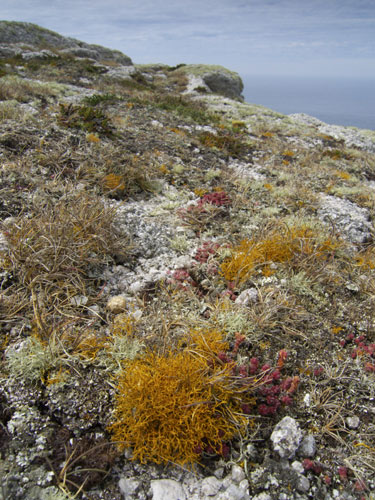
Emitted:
pixel 187 285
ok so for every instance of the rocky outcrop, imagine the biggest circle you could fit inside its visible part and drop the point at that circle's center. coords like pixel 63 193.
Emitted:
pixel 216 79
pixel 15 35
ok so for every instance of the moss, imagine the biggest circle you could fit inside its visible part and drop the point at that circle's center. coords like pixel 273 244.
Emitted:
pixel 86 118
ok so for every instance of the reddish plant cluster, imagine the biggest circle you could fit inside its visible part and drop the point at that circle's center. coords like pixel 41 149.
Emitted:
pixel 217 198
pixel 362 349
pixel 203 253
pixel 344 474
pixel 274 391
pixel 183 279
pixel 312 466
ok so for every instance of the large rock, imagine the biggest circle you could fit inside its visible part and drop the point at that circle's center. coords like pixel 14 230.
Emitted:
pixel 13 33
pixel 216 79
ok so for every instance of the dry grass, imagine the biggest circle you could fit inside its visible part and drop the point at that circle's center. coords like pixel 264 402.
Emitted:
pixel 52 249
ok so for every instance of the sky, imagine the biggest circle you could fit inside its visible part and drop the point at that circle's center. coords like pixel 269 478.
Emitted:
pixel 323 38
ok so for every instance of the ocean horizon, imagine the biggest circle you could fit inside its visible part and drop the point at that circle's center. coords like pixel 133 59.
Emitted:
pixel 337 101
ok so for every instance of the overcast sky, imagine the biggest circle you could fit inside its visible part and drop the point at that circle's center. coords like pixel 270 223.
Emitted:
pixel 253 37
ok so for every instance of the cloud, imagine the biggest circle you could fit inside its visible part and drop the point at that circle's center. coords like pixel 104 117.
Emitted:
pixel 231 32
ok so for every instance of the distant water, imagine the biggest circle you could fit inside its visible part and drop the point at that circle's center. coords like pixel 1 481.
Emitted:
pixel 349 101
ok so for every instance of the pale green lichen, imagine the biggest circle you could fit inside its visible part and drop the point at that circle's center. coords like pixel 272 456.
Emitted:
pixel 33 358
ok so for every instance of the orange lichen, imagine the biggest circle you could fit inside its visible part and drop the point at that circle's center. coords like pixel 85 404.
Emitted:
pixel 343 175
pixel 279 245
pixel 169 407
pixel 114 182
pixel 366 258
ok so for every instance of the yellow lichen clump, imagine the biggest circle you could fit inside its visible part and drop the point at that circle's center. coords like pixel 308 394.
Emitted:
pixel 168 407
pixel 279 245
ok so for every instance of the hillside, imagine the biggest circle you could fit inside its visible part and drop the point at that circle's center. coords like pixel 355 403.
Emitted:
pixel 187 285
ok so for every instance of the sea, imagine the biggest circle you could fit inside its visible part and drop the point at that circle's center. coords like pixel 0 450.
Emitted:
pixel 337 101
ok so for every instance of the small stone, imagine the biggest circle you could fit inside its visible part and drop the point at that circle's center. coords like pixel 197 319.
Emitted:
pixel 307 447
pixel 286 437
pixel 167 489
pixel 298 467
pixel 94 310
pixel 116 304
pixel 219 472
pixel 128 486
pixel 233 493
pixel 227 481
pixel 136 287
pixel 238 474
pixel 210 486
pixel 251 452
pixel 262 496
pixel 353 422
pixel 79 300
pixel 303 484
pixel 244 485
pixel 307 400
pixel 247 297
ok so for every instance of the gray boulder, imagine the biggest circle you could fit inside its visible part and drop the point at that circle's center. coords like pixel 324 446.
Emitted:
pixel 216 79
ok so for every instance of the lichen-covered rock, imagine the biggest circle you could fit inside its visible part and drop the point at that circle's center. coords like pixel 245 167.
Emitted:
pixel 353 137
pixel 167 489
pixel 286 437
pixel 350 219
pixel 216 79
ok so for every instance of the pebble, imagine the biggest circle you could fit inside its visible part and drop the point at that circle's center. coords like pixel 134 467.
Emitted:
pixel 247 297
pixel 307 447
pixel 128 486
pixel 233 492
pixel 116 304
pixel 286 437
pixel 353 422
pixel 303 484
pixel 210 486
pixel 262 496
pixel 167 489
pixel 238 474
pixel 298 467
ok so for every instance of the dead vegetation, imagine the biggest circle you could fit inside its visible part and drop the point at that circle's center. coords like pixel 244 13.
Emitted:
pixel 311 291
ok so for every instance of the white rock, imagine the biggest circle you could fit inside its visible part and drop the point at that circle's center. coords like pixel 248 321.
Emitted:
pixel 307 448
pixel 79 300
pixel 219 472
pixel 233 492
pixel 307 399
pixel 303 484
pixel 298 467
pixel 184 261
pixel 136 287
pixel 128 486
pixel 167 489
pixel 352 220
pixel 3 243
pixel 157 124
pixel 210 486
pixel 244 485
pixel 116 304
pixel 286 437
pixel 262 496
pixel 353 422
pixel 238 474
pixel 247 297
